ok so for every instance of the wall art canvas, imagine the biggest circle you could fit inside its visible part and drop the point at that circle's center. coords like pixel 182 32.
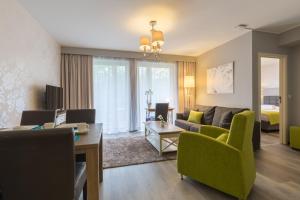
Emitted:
pixel 220 79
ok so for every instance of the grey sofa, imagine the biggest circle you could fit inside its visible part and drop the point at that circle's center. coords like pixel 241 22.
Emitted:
pixel 216 116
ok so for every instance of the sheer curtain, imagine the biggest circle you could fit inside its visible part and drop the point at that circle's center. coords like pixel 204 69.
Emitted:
pixel 161 78
pixel 112 93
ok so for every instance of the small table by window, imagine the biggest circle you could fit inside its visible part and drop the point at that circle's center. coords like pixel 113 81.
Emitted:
pixel 170 113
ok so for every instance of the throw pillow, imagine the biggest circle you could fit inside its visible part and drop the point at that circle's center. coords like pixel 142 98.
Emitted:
pixel 186 112
pixel 223 137
pixel 195 117
pixel 226 119
pixel 208 113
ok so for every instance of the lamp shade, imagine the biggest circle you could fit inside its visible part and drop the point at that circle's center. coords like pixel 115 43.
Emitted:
pixel 157 38
pixel 144 43
pixel 189 81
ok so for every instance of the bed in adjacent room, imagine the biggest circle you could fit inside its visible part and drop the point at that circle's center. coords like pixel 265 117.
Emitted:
pixel 270 114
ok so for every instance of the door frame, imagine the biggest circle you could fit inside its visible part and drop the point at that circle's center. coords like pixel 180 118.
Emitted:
pixel 283 132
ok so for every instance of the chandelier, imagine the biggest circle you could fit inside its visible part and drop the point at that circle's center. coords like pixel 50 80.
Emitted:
pixel 152 44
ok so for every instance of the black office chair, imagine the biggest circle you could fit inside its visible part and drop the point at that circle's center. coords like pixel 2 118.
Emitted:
pixel 40 165
pixel 81 115
pixel 161 109
pixel 77 116
pixel 37 117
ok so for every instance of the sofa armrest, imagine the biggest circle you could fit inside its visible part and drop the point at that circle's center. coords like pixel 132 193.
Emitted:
pixel 180 116
pixel 202 154
pixel 212 131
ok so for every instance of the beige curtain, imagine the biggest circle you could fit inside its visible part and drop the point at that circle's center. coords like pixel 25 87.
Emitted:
pixel 77 81
pixel 185 69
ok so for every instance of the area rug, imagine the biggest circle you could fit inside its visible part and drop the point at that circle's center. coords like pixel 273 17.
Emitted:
pixel 132 150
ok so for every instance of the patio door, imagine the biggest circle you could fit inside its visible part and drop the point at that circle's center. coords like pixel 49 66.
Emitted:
pixel 111 94
pixel 161 78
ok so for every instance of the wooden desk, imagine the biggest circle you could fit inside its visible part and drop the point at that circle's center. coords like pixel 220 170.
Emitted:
pixel 91 145
pixel 170 112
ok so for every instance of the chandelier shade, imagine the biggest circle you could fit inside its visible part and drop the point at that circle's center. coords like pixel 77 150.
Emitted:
pixel 154 42
pixel 144 43
pixel 157 38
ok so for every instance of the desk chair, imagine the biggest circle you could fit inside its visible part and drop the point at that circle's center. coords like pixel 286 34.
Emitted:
pixel 39 165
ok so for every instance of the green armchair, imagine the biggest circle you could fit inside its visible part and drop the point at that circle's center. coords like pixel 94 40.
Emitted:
pixel 220 158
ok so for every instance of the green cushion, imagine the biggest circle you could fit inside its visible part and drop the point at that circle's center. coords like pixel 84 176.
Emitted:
pixel 295 137
pixel 195 117
pixel 223 137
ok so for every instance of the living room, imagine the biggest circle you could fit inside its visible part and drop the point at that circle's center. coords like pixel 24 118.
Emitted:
pixel 148 100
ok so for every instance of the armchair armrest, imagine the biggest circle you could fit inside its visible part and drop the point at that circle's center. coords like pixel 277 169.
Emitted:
pixel 212 131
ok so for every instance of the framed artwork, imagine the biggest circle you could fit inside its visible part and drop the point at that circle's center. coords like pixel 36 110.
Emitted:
pixel 220 79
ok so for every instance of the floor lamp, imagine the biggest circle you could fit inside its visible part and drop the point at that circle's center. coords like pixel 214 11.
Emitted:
pixel 189 84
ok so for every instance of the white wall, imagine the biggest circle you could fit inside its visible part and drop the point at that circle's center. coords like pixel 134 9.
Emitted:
pixel 238 50
pixel 270 72
pixel 246 71
pixel 270 76
pixel 29 59
pixel 293 86
pixel 266 43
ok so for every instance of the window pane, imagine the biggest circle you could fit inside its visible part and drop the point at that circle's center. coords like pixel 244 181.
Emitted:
pixel 161 78
pixel 111 94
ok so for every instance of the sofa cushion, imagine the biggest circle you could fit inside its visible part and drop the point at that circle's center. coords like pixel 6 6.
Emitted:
pixel 208 113
pixel 195 117
pixel 186 113
pixel 183 124
pixel 179 116
pixel 226 119
pixel 219 111
pixel 195 127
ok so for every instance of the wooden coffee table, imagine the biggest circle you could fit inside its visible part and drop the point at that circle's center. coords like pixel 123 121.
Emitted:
pixel 164 139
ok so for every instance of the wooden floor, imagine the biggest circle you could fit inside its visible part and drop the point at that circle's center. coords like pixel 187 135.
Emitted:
pixel 278 177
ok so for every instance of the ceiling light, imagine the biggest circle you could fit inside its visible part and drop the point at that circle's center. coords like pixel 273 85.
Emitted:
pixel 157 38
pixel 144 43
pixel 154 43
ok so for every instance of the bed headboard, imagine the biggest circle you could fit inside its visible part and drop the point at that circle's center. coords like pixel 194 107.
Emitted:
pixel 271 100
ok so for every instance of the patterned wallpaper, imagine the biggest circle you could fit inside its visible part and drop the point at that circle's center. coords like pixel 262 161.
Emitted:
pixel 29 59
pixel 12 94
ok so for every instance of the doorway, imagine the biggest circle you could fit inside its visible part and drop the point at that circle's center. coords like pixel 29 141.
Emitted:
pixel 273 96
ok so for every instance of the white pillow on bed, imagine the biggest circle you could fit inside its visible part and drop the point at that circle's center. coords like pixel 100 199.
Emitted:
pixel 269 107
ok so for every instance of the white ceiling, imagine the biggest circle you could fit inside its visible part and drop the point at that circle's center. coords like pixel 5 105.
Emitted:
pixel 191 27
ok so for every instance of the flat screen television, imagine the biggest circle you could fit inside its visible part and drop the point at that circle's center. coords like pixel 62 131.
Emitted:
pixel 53 97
